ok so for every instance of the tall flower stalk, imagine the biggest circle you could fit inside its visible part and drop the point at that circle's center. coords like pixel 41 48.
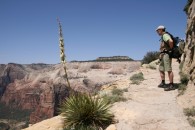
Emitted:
pixel 62 53
pixel 82 111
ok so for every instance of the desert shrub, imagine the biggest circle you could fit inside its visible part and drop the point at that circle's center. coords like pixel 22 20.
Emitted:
pixel 125 90
pixel 101 66
pixel 116 71
pixel 189 111
pixel 82 111
pixel 191 121
pixel 184 78
pixel 97 66
pixel 84 69
pixel 181 66
pixel 114 98
pixel 181 89
pixel 150 56
pixel 137 78
pixel 117 92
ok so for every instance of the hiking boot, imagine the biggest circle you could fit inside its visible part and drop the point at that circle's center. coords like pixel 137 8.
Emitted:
pixel 171 87
pixel 162 85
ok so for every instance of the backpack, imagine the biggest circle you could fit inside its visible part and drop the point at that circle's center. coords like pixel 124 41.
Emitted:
pixel 178 47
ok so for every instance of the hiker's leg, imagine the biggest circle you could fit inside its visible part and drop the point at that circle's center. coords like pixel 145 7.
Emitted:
pixel 162 75
pixel 168 65
pixel 171 85
pixel 168 68
pixel 171 75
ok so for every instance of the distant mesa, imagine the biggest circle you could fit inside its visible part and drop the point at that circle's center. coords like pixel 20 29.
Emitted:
pixel 114 58
pixel 107 59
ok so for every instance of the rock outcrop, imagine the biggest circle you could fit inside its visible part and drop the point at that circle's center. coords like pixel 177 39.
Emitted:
pixel 8 73
pixel 31 87
pixel 188 99
pixel 189 56
pixel 55 123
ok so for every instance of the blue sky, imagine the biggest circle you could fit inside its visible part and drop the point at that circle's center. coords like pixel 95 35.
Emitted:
pixel 91 28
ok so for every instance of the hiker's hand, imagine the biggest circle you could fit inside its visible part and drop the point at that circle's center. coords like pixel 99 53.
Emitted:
pixel 161 56
pixel 170 51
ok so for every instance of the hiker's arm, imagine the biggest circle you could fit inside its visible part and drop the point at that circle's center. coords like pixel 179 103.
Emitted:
pixel 171 43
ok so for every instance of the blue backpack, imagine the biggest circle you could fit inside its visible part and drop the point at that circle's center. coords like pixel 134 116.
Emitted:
pixel 178 47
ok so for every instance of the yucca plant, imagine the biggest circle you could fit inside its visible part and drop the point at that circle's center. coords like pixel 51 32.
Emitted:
pixel 82 111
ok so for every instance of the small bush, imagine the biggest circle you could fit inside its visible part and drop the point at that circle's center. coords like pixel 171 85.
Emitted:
pixel 117 92
pixel 184 78
pixel 82 111
pixel 150 56
pixel 116 71
pixel 135 82
pixel 125 90
pixel 191 121
pixel 137 78
pixel 181 89
pixel 189 111
pixel 117 96
pixel 181 66
pixel 97 66
pixel 114 98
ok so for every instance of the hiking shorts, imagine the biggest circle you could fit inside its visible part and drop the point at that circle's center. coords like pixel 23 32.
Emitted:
pixel 165 63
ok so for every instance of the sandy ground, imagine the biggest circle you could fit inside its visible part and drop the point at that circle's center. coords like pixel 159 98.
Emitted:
pixel 150 107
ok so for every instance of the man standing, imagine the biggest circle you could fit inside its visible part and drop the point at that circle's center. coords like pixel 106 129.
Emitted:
pixel 165 59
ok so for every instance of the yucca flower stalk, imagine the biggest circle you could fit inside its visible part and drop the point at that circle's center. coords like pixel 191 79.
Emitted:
pixel 82 111
pixel 62 53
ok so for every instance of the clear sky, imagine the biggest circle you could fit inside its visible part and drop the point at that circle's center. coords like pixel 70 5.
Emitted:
pixel 91 28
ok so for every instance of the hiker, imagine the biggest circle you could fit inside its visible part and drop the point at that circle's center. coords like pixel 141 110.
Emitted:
pixel 165 59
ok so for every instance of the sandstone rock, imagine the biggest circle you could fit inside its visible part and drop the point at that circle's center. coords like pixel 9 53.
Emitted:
pixel 189 55
pixel 8 74
pixel 111 127
pixel 55 123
